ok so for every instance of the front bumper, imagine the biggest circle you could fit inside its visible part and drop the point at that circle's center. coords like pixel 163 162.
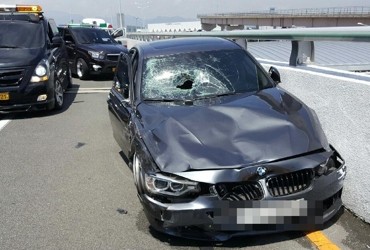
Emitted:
pixel 209 218
pixel 23 99
pixel 102 66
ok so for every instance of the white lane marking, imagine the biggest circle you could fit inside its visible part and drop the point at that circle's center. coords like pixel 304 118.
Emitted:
pixel 342 78
pixel 105 88
pixel 3 123
pixel 87 90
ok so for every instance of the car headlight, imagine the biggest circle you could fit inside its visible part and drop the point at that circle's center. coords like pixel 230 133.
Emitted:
pixel 41 72
pixel 330 165
pixel 97 55
pixel 169 185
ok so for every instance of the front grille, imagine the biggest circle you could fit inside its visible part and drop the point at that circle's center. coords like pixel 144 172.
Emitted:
pixel 11 77
pixel 290 183
pixel 113 57
pixel 241 191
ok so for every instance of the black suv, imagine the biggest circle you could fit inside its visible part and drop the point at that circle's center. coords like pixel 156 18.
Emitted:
pixel 34 70
pixel 91 51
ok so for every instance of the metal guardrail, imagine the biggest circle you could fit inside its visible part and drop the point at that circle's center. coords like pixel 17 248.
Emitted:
pixel 302 38
pixel 311 12
pixel 361 33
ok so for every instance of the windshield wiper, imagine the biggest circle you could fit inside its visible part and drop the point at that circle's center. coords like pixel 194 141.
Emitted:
pixel 161 100
pixel 214 96
pixel 9 47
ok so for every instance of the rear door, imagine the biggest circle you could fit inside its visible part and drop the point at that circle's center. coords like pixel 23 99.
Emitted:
pixel 120 103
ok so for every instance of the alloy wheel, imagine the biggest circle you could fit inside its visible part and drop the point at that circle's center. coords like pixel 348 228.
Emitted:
pixel 58 93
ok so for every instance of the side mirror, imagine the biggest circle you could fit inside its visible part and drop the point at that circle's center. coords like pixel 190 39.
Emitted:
pixel 274 74
pixel 57 41
pixel 118 33
pixel 123 90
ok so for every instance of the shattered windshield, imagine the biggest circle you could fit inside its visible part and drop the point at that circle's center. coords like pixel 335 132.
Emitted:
pixel 191 76
pixel 21 35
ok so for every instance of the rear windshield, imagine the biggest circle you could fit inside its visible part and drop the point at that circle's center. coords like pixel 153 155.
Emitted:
pixel 88 36
pixel 202 74
pixel 21 35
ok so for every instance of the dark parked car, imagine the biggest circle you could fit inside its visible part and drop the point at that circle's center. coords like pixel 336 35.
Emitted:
pixel 217 147
pixel 34 68
pixel 91 51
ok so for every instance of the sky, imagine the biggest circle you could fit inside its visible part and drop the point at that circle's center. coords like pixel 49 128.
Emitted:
pixel 184 8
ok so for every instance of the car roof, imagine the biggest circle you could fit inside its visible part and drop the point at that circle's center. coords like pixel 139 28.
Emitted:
pixel 185 45
pixel 81 28
pixel 25 17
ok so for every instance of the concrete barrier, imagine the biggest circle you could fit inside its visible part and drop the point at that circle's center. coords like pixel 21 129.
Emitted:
pixel 343 107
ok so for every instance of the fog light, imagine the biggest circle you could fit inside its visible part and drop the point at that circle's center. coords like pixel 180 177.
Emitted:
pixel 41 98
pixel 96 67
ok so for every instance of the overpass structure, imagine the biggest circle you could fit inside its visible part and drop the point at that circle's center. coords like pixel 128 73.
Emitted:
pixel 314 17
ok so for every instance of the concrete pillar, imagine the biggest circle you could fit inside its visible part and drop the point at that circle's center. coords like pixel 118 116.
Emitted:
pixel 208 27
pixel 242 42
pixel 302 52
pixel 223 27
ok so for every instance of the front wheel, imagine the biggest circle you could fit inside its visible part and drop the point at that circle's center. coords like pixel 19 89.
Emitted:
pixel 58 95
pixel 82 69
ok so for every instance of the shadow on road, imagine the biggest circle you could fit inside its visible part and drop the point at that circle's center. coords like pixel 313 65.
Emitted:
pixel 126 160
pixel 237 242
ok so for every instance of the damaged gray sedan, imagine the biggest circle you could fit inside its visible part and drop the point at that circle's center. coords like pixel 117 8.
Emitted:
pixel 217 147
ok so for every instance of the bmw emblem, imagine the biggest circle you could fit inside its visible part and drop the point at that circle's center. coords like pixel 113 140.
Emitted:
pixel 261 171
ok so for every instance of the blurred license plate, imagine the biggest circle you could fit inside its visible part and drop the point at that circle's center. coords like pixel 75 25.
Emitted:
pixel 113 69
pixel 4 96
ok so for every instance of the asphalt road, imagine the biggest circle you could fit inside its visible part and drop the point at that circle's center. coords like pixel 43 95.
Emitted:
pixel 65 185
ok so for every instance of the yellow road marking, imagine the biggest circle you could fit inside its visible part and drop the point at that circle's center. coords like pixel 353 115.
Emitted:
pixel 321 241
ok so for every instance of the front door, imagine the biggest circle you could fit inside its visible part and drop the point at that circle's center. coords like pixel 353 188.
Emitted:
pixel 119 103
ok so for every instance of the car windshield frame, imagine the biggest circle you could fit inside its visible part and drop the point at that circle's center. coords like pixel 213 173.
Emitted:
pixel 192 76
pixel 21 35
pixel 92 36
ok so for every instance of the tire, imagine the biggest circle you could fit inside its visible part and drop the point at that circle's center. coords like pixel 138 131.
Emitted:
pixel 58 95
pixel 82 69
pixel 137 172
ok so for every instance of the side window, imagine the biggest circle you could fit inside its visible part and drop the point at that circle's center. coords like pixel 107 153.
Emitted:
pixel 50 34
pixel 122 78
pixel 53 27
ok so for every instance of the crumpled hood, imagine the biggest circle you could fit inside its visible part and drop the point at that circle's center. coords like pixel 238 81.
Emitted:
pixel 19 57
pixel 236 132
